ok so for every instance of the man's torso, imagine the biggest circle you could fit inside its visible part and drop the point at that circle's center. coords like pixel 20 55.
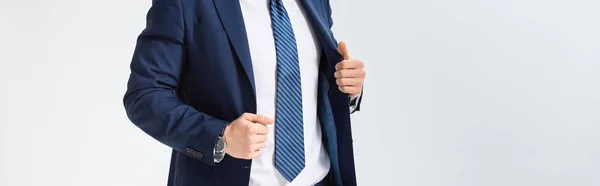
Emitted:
pixel 263 54
pixel 218 79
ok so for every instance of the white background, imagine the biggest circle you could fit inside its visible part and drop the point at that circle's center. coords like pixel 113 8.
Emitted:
pixel 458 93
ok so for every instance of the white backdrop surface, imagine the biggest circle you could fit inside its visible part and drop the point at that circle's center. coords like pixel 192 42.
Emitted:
pixel 458 93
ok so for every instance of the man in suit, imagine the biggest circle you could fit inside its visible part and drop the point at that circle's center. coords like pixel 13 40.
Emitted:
pixel 246 92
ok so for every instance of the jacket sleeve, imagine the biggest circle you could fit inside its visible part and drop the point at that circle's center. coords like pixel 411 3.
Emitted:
pixel 151 102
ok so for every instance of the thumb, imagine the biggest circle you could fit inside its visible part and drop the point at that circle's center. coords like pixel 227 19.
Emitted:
pixel 343 50
pixel 257 118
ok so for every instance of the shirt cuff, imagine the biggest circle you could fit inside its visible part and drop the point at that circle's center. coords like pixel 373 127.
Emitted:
pixel 354 102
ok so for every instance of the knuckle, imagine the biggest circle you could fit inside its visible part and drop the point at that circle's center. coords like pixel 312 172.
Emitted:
pixel 344 81
pixel 343 73
pixel 251 128
pixel 264 128
pixel 248 139
pixel 259 139
pixel 254 129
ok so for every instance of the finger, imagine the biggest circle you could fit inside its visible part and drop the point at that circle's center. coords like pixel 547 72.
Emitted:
pixel 249 116
pixel 254 154
pixel 258 139
pixel 259 146
pixel 257 118
pixel 353 73
pixel 348 81
pixel 349 64
pixel 260 129
pixel 352 90
pixel 263 120
pixel 343 50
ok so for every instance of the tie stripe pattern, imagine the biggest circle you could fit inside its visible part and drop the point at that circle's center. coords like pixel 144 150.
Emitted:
pixel 289 127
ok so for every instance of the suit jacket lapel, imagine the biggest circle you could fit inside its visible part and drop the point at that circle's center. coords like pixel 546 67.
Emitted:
pixel 232 19
pixel 320 24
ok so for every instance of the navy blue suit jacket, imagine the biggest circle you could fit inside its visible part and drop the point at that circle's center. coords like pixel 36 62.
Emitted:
pixel 191 75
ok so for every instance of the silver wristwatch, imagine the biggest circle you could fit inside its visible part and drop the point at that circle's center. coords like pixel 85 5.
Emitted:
pixel 220 149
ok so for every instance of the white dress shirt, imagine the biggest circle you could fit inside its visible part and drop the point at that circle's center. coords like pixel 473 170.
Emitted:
pixel 257 20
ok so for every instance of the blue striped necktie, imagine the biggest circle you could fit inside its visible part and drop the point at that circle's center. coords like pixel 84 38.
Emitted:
pixel 289 127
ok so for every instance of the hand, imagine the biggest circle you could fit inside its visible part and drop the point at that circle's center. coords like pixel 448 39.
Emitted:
pixel 246 135
pixel 349 73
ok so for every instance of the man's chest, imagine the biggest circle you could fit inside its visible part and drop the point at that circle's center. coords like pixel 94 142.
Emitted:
pixel 257 20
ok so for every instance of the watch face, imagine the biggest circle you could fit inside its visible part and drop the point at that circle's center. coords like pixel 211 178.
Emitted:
pixel 220 145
